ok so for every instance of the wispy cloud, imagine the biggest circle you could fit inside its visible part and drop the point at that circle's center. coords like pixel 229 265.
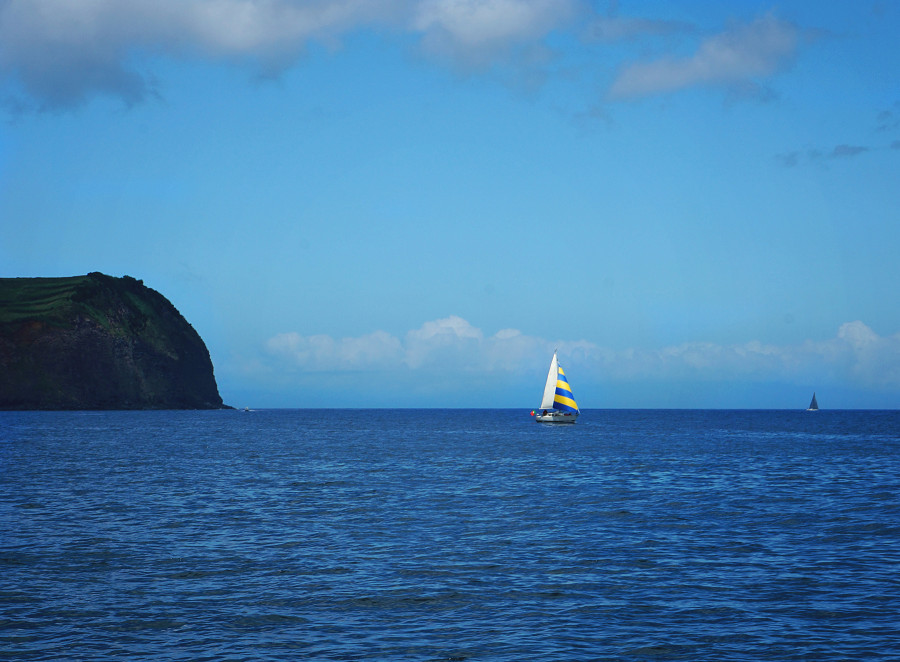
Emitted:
pixel 886 121
pixel 889 119
pixel 846 151
pixel 737 58
pixel 838 152
pixel 450 347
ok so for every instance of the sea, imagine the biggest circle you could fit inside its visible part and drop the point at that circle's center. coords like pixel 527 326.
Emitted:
pixel 442 534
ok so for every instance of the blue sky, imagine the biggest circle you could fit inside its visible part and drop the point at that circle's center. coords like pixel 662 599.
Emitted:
pixel 413 202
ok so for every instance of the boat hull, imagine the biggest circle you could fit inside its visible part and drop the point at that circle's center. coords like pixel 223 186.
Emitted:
pixel 555 417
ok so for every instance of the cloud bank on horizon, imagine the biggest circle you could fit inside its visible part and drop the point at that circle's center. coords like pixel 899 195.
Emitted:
pixel 58 54
pixel 452 346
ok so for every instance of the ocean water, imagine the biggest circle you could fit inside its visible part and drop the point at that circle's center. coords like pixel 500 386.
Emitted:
pixel 449 535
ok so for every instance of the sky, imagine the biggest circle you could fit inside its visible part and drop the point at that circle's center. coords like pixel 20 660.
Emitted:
pixel 413 203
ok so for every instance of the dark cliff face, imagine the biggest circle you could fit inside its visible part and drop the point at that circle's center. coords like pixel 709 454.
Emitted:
pixel 98 342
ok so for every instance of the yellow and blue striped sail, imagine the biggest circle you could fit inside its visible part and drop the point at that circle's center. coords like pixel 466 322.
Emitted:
pixel 563 400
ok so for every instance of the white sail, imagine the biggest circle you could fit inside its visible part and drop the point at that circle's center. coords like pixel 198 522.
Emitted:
pixel 550 386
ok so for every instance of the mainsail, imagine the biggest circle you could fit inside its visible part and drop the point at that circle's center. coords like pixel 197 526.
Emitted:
pixel 813 405
pixel 557 393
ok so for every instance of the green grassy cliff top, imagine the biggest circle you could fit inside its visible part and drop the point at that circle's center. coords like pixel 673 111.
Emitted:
pixel 39 299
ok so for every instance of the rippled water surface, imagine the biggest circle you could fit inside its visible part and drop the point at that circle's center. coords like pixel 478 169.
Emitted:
pixel 449 535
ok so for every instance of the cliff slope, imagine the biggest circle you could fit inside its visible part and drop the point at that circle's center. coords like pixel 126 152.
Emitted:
pixel 98 342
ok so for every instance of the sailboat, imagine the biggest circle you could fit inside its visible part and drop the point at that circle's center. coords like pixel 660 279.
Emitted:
pixel 558 404
pixel 813 405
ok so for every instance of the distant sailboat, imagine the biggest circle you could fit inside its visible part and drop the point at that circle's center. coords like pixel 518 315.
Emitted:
pixel 558 404
pixel 813 405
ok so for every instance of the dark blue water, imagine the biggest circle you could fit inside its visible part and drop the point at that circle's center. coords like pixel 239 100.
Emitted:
pixel 449 535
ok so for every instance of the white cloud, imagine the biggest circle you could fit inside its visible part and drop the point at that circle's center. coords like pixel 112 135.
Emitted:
pixel 446 329
pixel 858 335
pixel 451 346
pixel 737 57
pixel 474 23
pixel 445 341
pixel 63 51
pixel 475 32
pixel 375 351
pixel 856 355
pixel 60 53
pixel 870 358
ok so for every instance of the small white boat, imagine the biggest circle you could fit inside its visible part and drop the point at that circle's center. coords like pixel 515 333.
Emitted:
pixel 558 404
pixel 813 405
